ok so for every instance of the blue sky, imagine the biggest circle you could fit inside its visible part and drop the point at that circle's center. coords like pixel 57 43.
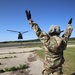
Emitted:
pixel 44 12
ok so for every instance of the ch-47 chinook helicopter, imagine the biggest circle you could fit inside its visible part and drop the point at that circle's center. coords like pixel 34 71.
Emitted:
pixel 20 34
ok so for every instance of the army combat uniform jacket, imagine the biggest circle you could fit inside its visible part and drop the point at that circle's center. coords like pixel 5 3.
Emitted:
pixel 54 45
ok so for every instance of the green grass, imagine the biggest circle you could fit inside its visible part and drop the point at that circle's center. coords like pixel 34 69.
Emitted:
pixel 69 55
pixel 71 42
pixel 69 65
pixel 40 53
pixel 6 57
pixel 22 66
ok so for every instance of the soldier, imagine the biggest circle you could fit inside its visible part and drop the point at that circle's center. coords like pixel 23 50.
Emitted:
pixel 54 45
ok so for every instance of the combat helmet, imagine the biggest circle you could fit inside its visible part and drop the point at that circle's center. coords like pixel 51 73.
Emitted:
pixel 55 30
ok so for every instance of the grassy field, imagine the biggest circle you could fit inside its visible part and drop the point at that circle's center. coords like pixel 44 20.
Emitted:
pixel 31 43
pixel 69 54
pixel 69 65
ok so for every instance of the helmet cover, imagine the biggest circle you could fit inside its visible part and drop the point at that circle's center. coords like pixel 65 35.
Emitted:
pixel 54 29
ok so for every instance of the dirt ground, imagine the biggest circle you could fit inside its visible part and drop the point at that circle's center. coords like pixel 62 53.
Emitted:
pixel 19 56
pixel 14 56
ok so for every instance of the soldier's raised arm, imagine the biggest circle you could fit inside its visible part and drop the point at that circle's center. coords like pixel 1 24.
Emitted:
pixel 68 31
pixel 40 34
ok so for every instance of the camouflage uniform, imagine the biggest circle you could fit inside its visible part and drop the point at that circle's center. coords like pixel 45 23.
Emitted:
pixel 54 47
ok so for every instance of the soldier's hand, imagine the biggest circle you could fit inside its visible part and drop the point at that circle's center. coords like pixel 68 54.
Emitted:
pixel 70 21
pixel 28 14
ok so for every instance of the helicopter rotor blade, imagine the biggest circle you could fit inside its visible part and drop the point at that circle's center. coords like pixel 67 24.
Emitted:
pixel 12 30
pixel 24 32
